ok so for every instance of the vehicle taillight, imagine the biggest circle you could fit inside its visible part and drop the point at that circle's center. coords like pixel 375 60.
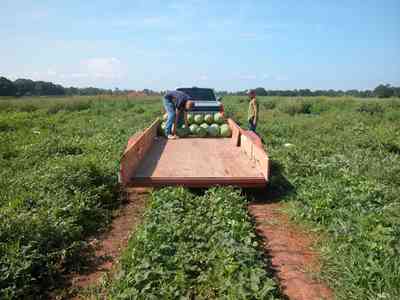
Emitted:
pixel 221 109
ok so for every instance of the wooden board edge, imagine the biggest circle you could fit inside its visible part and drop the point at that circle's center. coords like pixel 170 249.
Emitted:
pixel 138 135
pixel 236 132
pixel 137 146
pixel 199 182
pixel 252 145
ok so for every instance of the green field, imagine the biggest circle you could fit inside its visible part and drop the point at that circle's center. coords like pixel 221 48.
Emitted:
pixel 336 161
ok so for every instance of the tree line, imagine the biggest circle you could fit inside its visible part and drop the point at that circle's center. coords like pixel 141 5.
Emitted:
pixel 381 91
pixel 26 87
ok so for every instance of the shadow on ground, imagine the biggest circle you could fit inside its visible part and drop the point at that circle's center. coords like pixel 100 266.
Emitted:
pixel 278 188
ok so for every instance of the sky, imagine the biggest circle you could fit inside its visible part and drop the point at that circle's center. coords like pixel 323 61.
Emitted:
pixel 226 45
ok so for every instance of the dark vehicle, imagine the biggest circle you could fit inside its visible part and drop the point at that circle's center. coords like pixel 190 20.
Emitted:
pixel 204 99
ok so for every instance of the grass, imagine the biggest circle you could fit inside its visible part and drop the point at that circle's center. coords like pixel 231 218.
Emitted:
pixel 58 177
pixel 59 160
pixel 344 165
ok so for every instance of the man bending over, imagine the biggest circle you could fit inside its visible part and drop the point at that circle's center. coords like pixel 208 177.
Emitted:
pixel 175 104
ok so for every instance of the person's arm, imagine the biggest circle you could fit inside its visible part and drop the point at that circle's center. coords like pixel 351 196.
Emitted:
pixel 186 119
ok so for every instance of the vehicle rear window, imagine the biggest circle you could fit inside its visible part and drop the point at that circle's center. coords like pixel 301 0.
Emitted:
pixel 199 94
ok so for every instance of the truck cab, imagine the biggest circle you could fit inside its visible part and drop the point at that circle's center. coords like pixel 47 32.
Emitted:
pixel 204 100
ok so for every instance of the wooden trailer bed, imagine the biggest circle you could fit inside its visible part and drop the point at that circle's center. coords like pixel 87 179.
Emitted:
pixel 150 160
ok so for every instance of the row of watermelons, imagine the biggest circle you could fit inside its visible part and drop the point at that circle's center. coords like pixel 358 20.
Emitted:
pixel 202 125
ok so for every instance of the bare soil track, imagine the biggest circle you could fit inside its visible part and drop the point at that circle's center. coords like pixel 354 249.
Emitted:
pixel 109 245
pixel 290 250
pixel 288 246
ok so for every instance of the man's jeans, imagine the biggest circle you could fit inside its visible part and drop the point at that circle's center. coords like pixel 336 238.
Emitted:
pixel 252 125
pixel 170 109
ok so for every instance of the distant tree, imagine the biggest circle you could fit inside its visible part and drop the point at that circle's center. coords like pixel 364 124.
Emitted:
pixel 24 86
pixel 353 93
pixel 7 87
pixel 70 91
pixel 384 91
pixel 221 93
pixel 396 91
pixel 305 93
pixel 43 88
pixel 260 91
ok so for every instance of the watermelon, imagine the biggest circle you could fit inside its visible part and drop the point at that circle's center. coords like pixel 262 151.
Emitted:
pixel 205 126
pixel 218 118
pixel 183 131
pixel 190 118
pixel 201 132
pixel 225 130
pixel 163 124
pixel 198 119
pixel 208 118
pixel 213 130
pixel 193 128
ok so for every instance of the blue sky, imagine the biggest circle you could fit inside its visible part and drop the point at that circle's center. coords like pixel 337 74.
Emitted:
pixel 229 45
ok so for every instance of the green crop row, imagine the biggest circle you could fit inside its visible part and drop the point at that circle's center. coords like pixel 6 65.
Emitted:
pixel 194 247
pixel 58 181
pixel 337 161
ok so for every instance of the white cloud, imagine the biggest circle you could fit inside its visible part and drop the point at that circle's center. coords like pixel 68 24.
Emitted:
pixel 204 77
pixel 281 78
pixel 92 71
pixel 247 77
pixel 38 14
pixel 51 72
pixel 275 77
pixel 9 76
pixel 106 68
pixel 74 75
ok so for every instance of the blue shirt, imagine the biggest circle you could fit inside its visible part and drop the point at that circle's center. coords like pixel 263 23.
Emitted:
pixel 181 98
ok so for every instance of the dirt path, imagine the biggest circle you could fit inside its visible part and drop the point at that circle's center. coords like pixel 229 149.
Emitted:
pixel 291 252
pixel 288 246
pixel 108 246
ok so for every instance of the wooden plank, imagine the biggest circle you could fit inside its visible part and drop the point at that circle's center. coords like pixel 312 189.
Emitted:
pixel 199 182
pixel 259 155
pixel 261 158
pixel 247 146
pixel 137 147
pixel 149 160
pixel 251 144
pixel 255 139
pixel 235 132
pixel 196 158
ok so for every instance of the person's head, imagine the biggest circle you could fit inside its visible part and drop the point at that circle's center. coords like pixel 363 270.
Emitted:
pixel 189 105
pixel 252 94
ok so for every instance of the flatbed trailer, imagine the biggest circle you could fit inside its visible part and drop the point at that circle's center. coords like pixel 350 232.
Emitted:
pixel 150 160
